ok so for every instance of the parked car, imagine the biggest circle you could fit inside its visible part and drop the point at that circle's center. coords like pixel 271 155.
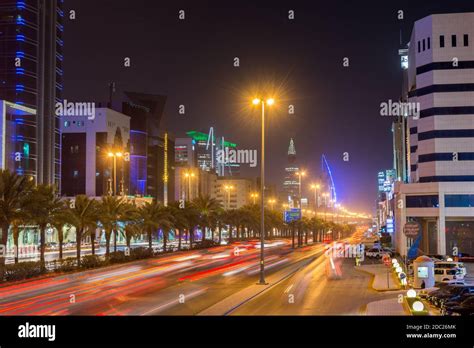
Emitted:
pixel 453 293
pixel 464 308
pixel 52 246
pixel 456 301
pixel 377 252
pixel 447 274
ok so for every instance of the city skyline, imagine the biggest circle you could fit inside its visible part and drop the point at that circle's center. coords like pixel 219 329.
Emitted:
pixel 183 64
pixel 291 163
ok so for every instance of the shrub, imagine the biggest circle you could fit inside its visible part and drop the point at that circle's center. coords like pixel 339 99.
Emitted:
pixel 140 253
pixel 118 257
pixel 23 270
pixel 91 261
pixel 206 244
pixel 67 265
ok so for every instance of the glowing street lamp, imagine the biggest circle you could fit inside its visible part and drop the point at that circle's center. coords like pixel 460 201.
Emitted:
pixel 262 102
pixel 316 188
pixel 272 202
pixel 228 188
pixel 300 174
pixel 114 155
pixel 254 197
pixel 189 175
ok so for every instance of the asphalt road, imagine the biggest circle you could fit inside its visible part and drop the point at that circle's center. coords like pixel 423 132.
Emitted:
pixel 311 292
pixel 187 283
pixel 181 283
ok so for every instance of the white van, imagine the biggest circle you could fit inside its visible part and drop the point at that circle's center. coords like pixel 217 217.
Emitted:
pixel 450 265
pixel 444 275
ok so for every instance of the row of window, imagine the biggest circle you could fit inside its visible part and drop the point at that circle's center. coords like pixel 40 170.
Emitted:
pixel 425 44
pixel 77 123
pixel 432 201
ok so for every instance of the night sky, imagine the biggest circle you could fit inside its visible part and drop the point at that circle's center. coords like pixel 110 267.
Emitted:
pixel 190 61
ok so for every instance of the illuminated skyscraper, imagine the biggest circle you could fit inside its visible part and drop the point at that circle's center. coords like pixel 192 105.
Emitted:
pixel 291 184
pixel 31 75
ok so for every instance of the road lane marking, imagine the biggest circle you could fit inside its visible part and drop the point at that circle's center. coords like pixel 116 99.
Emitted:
pixel 174 302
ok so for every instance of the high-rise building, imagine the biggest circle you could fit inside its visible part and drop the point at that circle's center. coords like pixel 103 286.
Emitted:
pixel 206 152
pixel 233 193
pixel 17 139
pixel 439 196
pixel 31 72
pixel 95 154
pixel 184 152
pixel 151 149
pixel 291 183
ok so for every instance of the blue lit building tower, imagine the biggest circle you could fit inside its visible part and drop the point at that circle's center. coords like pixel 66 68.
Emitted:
pixel 31 58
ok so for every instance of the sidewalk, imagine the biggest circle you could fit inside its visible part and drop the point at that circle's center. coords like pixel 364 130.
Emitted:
pixel 387 307
pixel 384 279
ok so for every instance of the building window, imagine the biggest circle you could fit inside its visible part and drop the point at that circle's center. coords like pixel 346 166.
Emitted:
pixel 419 46
pixel 424 45
pixel 428 201
pixel 454 42
pixel 429 42
pixel 75 174
pixel 459 201
pixel 466 40
pixel 441 41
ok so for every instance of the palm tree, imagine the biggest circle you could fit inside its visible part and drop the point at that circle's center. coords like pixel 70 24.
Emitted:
pixel 165 221
pixel 44 208
pixel 111 209
pixel 59 223
pixel 180 221
pixel 14 195
pixel 148 220
pixel 191 215
pixel 207 208
pixel 16 229
pixel 82 212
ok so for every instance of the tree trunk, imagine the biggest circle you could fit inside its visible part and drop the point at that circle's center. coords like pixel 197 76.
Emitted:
pixel 149 240
pixel 108 234
pixel 61 241
pixel 16 236
pixel 306 237
pixel 42 246
pixel 191 237
pixel 229 239
pixel 3 241
pixel 179 239
pixel 78 246
pixel 115 240
pixel 164 241
pixel 92 234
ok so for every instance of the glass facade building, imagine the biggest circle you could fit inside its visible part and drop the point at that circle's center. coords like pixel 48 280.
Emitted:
pixel 31 56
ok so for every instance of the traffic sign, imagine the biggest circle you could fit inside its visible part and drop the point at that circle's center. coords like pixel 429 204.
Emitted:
pixel 292 215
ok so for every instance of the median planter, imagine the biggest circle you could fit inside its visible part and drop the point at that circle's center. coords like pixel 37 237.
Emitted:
pixel 23 270
pixel 415 307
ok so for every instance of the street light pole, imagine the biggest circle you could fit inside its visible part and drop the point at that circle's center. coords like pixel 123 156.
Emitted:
pixel 262 189
pixel 114 155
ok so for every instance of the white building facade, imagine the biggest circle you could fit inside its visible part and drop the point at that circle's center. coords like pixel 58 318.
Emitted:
pixel 440 192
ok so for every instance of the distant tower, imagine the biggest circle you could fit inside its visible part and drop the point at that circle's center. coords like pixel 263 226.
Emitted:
pixel 291 185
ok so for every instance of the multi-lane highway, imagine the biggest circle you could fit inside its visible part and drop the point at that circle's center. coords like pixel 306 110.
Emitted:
pixel 192 282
